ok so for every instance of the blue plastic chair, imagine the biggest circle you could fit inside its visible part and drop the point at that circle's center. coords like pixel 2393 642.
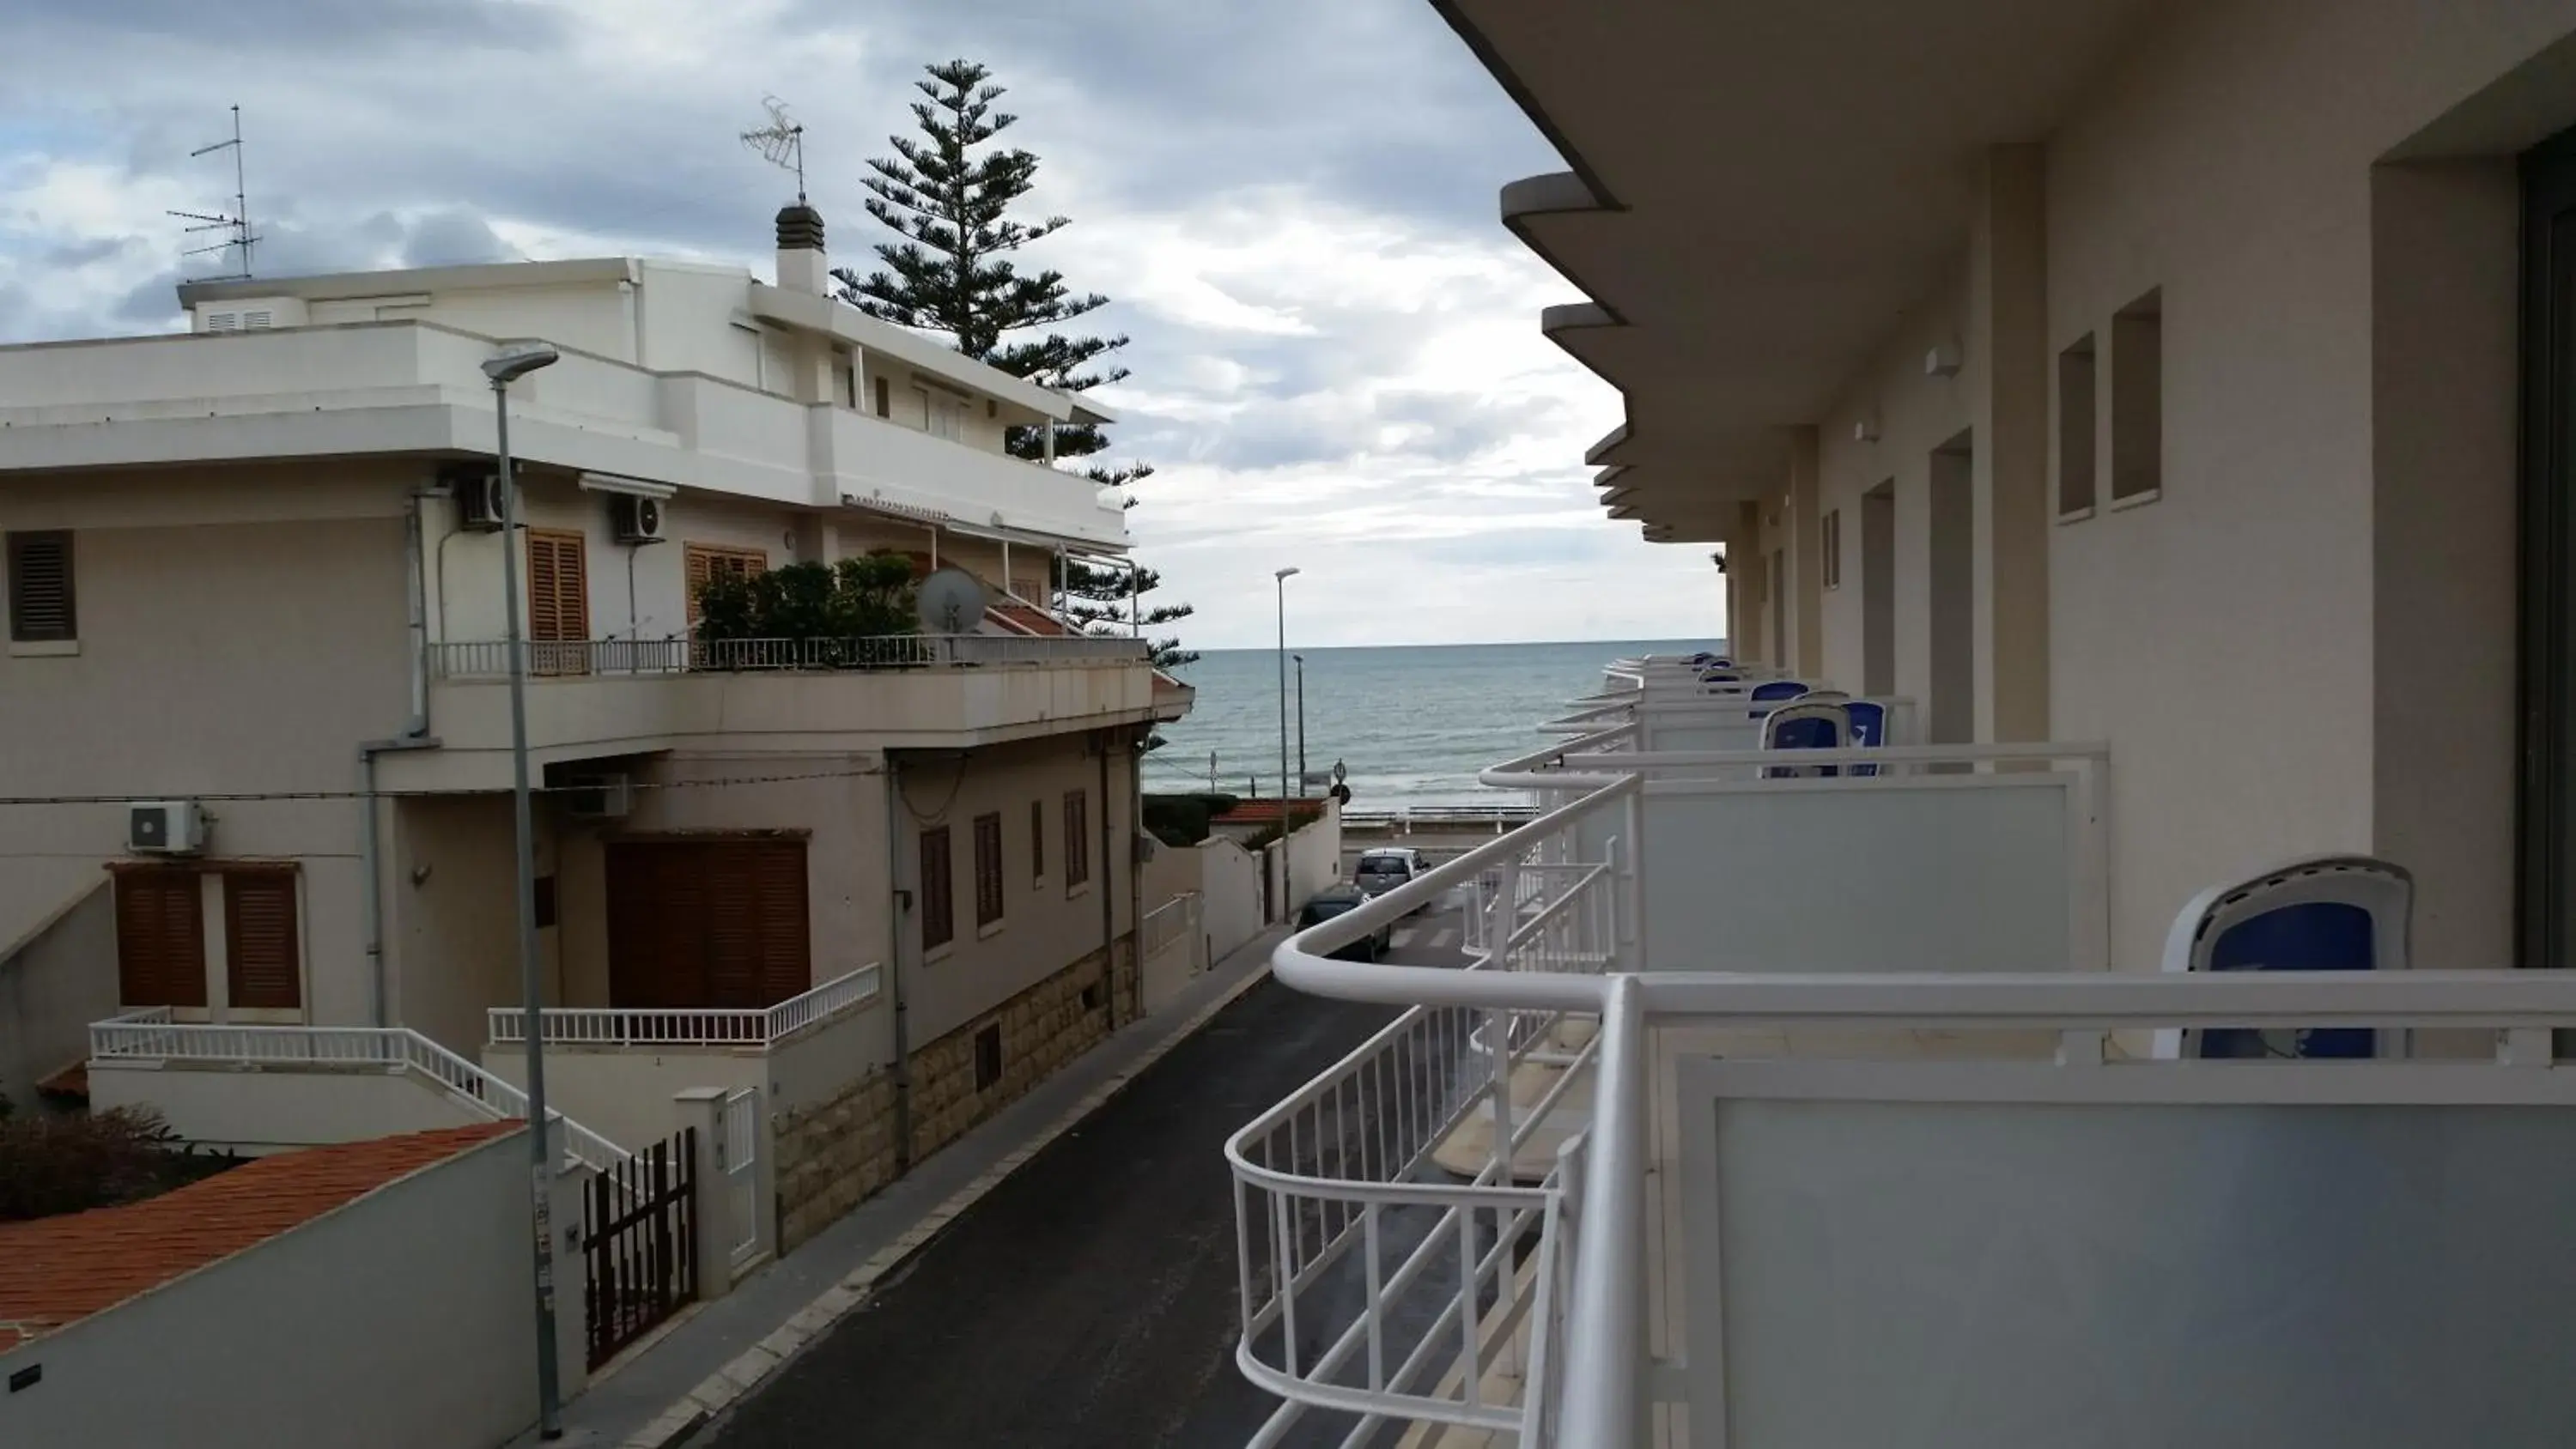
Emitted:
pixel 1778 689
pixel 2326 913
pixel 1803 726
pixel 1868 721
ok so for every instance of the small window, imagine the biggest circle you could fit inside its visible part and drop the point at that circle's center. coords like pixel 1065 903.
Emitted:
pixel 988 1057
pixel 40 588
pixel 938 906
pixel 1833 547
pixel 988 870
pixel 2075 423
pixel 261 967
pixel 1037 841
pixel 885 399
pixel 1077 853
pixel 2138 400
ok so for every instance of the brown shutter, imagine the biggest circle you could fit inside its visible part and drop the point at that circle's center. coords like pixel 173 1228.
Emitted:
pixel 733 927
pixel 543 588
pixel 938 906
pixel 1037 840
pixel 40 588
pixel 701 562
pixel 657 925
pixel 786 943
pixel 1077 845
pixel 260 959
pixel 988 869
pixel 160 938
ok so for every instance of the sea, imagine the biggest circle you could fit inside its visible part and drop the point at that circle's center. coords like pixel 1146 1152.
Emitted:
pixel 1412 724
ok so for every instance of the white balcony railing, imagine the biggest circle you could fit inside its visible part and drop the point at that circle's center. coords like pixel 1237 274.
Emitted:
pixel 490 659
pixel 750 1027
pixel 154 1038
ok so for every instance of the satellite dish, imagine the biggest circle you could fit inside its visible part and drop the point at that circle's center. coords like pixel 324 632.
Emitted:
pixel 950 601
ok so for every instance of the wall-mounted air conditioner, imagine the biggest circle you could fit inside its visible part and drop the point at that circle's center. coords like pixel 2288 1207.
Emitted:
pixel 600 797
pixel 165 827
pixel 637 519
pixel 479 502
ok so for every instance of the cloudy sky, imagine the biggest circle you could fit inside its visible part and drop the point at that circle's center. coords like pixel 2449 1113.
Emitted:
pixel 1336 357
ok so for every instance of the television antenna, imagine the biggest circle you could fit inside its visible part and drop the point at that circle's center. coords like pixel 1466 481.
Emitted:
pixel 950 601
pixel 237 222
pixel 781 143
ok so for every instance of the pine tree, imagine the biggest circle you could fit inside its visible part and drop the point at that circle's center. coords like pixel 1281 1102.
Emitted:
pixel 948 193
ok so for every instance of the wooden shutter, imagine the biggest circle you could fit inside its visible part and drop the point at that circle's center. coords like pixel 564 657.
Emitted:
pixel 558 600
pixel 695 924
pixel 701 562
pixel 160 938
pixel 988 869
pixel 40 588
pixel 1037 840
pixel 938 905
pixel 1077 843
pixel 657 925
pixel 260 960
pixel 733 927
pixel 786 940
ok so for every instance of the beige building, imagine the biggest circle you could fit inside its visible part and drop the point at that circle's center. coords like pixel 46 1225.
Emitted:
pixel 256 572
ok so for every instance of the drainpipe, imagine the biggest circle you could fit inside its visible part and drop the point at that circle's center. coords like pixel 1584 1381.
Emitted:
pixel 1136 874
pixel 415 736
pixel 894 967
pixel 1108 900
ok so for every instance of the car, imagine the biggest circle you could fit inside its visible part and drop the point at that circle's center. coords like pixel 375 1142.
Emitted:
pixel 1340 900
pixel 1383 868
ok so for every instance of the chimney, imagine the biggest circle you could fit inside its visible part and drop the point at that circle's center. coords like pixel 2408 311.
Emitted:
pixel 801 267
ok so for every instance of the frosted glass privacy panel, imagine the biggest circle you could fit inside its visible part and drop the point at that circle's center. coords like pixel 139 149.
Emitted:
pixel 2026 1276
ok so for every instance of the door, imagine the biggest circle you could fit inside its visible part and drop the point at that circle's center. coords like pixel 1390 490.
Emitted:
pixel 1951 714
pixel 2546 886
pixel 707 923
pixel 558 602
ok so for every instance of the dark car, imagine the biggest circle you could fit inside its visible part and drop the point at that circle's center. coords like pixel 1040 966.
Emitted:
pixel 1339 900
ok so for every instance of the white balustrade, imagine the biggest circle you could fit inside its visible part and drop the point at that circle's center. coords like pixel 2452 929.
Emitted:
pixel 751 1027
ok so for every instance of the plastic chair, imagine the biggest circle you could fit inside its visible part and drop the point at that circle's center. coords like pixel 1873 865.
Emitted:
pixel 1867 719
pixel 1804 726
pixel 2324 913
pixel 1778 689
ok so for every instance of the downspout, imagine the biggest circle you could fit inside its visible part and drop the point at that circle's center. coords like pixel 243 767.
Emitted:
pixel 1136 874
pixel 415 736
pixel 894 968
pixel 1108 900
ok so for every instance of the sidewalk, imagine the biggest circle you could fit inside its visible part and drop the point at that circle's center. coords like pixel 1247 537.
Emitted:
pixel 666 1390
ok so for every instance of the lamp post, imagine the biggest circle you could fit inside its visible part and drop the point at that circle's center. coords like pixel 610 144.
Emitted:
pixel 503 370
pixel 1301 719
pixel 1281 578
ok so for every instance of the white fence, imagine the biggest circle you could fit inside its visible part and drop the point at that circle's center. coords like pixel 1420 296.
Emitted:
pixel 490 658
pixel 710 1026
pixel 738 1158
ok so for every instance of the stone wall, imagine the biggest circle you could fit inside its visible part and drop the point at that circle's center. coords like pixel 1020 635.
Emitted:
pixel 838 1153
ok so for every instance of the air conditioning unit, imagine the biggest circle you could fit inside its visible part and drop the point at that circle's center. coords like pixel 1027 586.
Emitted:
pixel 165 827
pixel 638 519
pixel 600 797
pixel 480 506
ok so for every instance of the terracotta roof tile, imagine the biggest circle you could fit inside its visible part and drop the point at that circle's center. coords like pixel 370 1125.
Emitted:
pixel 55 1271
pixel 1263 812
pixel 1028 618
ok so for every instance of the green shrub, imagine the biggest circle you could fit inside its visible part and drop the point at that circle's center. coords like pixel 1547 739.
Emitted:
pixel 858 598
pixel 53 1164
pixel 1182 821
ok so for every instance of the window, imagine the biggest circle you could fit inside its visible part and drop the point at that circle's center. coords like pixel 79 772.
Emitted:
pixel 848 371
pixel 160 937
pixel 2075 429
pixel 988 870
pixel 1037 841
pixel 558 601
pixel 704 561
pixel 40 589
pixel 885 399
pixel 261 967
pixel 1077 854
pixel 942 415
pixel 938 906
pixel 2138 400
pixel 702 922
pixel 988 1057
pixel 1833 547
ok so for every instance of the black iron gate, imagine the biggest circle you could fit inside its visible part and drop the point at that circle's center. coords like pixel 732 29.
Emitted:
pixel 639 1235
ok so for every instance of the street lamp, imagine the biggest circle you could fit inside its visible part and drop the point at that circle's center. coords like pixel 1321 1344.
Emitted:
pixel 503 370
pixel 1281 578
pixel 1301 719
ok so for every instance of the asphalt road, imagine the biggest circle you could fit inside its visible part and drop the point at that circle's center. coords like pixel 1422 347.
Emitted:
pixel 1089 1299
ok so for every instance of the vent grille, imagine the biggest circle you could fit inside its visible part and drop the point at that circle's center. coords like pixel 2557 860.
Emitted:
pixel 40 587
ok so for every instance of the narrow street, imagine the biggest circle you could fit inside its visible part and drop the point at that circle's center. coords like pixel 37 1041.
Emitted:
pixel 1089 1300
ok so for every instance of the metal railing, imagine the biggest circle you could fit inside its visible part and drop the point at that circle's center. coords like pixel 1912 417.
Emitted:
pixel 490 659
pixel 760 1027
pixel 136 1038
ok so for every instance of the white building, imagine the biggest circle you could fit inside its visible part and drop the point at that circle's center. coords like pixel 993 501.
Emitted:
pixel 255 570
pixel 2159 414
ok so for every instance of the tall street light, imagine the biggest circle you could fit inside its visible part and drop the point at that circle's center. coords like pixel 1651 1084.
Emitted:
pixel 1282 577
pixel 503 370
pixel 1301 719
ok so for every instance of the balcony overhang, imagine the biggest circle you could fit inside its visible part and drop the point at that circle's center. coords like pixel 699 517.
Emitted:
pixel 1736 284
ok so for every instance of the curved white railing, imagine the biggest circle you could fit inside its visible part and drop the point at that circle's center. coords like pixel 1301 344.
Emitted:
pixel 398 1049
pixel 758 1027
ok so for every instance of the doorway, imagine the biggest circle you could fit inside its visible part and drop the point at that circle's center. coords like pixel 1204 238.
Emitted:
pixel 1952 711
pixel 2545 885
pixel 1878 590
pixel 1777 606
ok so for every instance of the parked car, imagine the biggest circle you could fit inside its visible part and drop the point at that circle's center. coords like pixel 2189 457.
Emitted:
pixel 1340 900
pixel 1383 868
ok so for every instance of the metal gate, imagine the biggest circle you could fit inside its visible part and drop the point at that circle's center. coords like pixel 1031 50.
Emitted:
pixel 639 1235
pixel 738 1155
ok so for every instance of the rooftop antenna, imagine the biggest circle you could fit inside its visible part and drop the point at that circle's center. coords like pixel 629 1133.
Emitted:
pixel 781 143
pixel 237 222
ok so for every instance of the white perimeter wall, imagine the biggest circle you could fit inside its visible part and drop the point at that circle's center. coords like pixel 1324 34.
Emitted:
pixel 399 1321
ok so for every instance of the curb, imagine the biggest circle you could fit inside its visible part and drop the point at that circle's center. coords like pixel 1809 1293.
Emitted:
pixel 695 1409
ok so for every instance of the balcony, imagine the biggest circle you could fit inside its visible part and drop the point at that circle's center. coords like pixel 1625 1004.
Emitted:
pixel 593 698
pixel 1799 1158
